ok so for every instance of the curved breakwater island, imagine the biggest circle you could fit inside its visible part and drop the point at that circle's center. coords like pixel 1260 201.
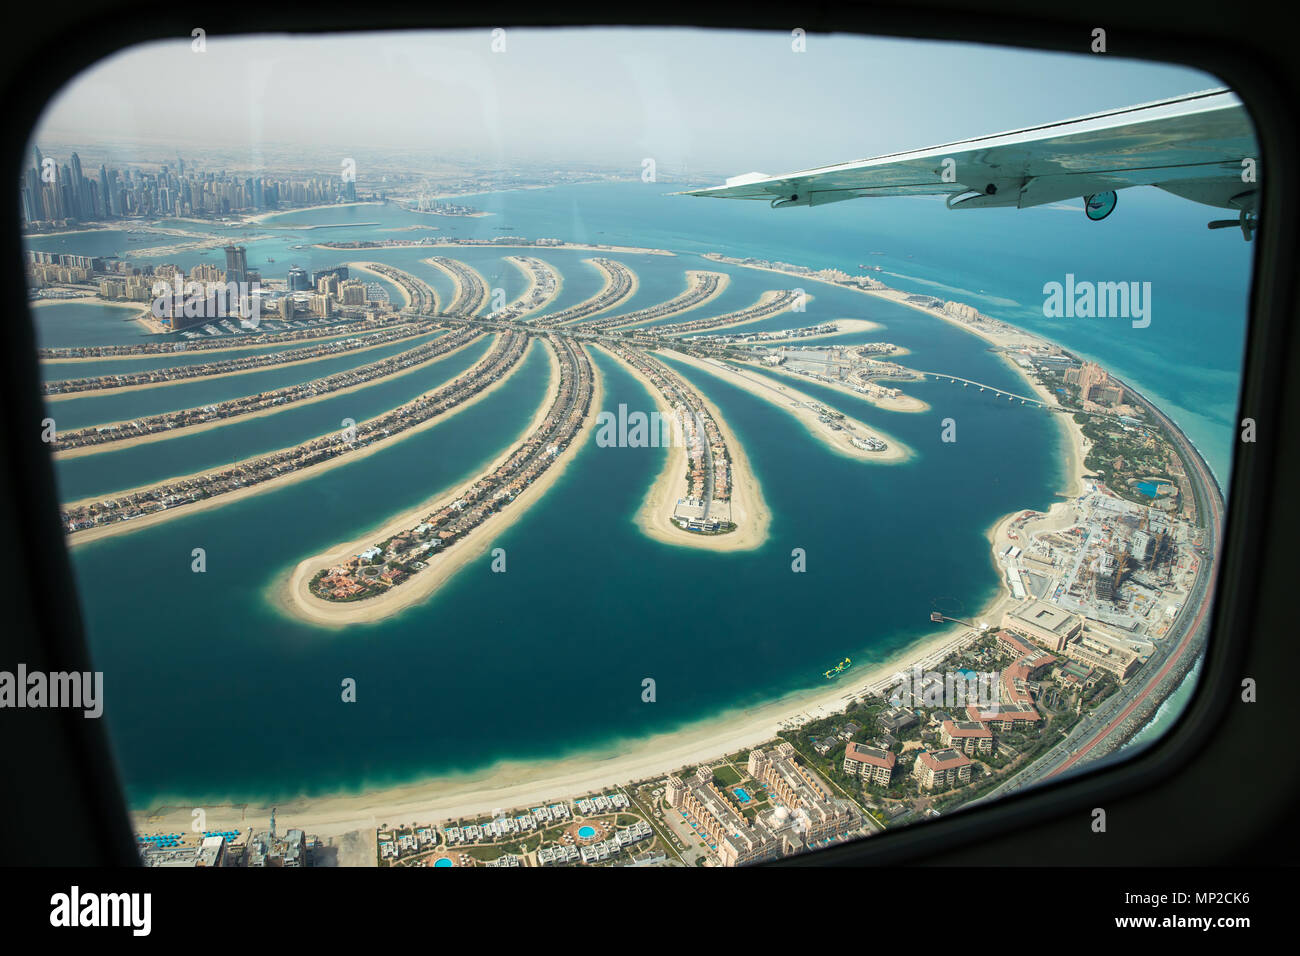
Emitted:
pixel 478 686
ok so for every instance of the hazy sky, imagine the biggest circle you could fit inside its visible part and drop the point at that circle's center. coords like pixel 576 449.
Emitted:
pixel 728 102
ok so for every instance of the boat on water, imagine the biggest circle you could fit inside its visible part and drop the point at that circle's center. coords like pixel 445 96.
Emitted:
pixel 838 669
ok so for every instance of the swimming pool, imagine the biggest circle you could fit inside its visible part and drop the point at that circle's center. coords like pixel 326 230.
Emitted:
pixel 586 833
pixel 444 862
pixel 741 795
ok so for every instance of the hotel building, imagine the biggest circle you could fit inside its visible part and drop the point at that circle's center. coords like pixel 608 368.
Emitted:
pixel 968 736
pixel 872 764
pixel 807 815
pixel 943 768
pixel 1045 623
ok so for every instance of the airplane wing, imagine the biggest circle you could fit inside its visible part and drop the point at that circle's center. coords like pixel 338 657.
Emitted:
pixel 1200 146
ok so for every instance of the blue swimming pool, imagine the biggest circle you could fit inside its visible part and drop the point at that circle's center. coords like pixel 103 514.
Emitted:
pixel 586 833
pixel 741 795
pixel 444 862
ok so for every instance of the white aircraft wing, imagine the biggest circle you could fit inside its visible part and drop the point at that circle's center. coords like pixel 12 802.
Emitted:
pixel 1200 146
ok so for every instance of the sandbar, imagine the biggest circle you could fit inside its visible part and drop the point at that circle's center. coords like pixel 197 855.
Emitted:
pixel 792 401
pixel 749 511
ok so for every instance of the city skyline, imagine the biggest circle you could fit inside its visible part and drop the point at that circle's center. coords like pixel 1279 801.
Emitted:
pixel 522 104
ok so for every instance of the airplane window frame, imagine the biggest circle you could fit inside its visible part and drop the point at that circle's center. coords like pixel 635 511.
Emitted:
pixel 56 635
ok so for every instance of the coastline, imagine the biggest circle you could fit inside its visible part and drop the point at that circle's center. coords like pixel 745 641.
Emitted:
pixel 571 324
pixel 100 392
pixel 518 263
pixel 89 300
pixel 458 287
pixel 786 398
pixel 294 595
pixel 907 404
pixel 264 216
pixel 516 783
pixel 207 504
pixel 84 450
pixel 723 282
pixel 582 247
pixel 249 345
pixel 633 289
pixel 848 327
pixel 749 511
pixel 364 267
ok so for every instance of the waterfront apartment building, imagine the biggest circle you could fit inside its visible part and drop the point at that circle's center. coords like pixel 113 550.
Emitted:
pixel 297 280
pixel 1002 717
pixel 801 790
pixel 236 263
pixel 872 764
pixel 352 292
pixel 322 305
pixel 968 736
pixel 805 816
pixel 737 839
pixel 1108 655
pixel 1095 384
pixel 943 768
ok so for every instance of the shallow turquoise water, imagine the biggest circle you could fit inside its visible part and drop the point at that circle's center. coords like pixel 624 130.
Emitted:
pixel 549 657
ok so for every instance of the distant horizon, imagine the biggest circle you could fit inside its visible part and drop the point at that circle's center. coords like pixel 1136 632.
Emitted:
pixel 726 102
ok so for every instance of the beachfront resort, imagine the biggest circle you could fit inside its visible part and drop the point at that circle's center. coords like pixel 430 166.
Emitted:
pixel 1090 630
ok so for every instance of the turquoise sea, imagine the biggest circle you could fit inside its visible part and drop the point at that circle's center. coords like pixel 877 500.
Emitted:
pixel 213 693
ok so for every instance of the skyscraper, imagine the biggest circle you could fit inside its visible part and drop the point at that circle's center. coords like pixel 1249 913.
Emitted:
pixel 236 264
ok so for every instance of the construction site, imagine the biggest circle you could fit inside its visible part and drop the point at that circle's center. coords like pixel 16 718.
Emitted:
pixel 1121 569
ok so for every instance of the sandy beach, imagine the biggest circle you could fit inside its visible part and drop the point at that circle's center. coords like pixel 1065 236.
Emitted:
pixel 749 511
pixel 89 300
pixel 723 281
pixel 762 300
pixel 365 268
pixel 791 401
pixel 458 287
pixel 845 327
pixel 581 247
pixel 903 403
pixel 264 216
pixel 250 343
pixel 603 290
pixel 511 784
pixel 96 392
pixel 294 595
pixel 262 413
pixel 527 783
pixel 527 294
pixel 207 504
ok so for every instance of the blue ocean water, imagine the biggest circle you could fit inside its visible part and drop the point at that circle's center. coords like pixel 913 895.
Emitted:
pixel 548 658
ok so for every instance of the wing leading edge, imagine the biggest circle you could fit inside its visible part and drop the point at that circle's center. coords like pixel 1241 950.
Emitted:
pixel 1200 147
